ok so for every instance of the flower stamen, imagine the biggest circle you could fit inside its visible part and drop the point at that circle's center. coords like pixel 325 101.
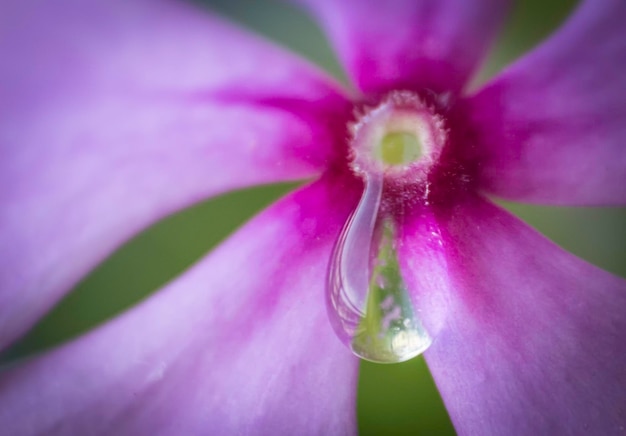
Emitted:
pixel 400 135
pixel 399 148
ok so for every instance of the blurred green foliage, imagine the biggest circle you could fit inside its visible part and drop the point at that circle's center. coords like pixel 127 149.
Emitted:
pixel 393 399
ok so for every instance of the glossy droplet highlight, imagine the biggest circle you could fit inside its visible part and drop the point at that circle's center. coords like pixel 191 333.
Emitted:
pixel 369 304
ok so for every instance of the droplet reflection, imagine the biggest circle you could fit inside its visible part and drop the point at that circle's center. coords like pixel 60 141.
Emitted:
pixel 369 304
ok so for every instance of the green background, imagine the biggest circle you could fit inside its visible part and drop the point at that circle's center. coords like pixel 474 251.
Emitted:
pixel 393 399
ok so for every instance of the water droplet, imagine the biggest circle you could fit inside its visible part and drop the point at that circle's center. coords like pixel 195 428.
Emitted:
pixel 369 304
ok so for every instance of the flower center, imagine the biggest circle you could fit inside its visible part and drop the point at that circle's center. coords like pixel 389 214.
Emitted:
pixel 398 148
pixel 400 136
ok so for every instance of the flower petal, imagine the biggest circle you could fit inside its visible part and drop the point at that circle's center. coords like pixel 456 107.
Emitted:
pixel 409 44
pixel 240 344
pixel 114 114
pixel 550 129
pixel 528 339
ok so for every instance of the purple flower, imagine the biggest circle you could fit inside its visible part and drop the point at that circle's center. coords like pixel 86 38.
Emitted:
pixel 116 113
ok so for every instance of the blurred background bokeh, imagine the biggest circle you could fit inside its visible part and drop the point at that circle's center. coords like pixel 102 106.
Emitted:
pixel 393 399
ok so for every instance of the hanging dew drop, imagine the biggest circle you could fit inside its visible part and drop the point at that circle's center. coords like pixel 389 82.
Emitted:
pixel 369 303
pixel 370 307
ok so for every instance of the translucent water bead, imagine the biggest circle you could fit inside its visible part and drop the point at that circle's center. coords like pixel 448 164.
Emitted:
pixel 369 304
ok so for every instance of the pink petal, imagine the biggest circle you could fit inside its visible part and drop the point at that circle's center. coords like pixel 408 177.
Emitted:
pixel 410 44
pixel 528 339
pixel 550 129
pixel 115 113
pixel 240 344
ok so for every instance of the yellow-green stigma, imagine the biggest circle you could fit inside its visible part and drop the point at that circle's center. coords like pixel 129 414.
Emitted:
pixel 399 148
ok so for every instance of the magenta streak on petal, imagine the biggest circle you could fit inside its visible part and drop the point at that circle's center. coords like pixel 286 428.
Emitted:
pixel 108 122
pixel 551 128
pixel 409 44
pixel 239 344
pixel 329 111
pixel 422 257
pixel 528 338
